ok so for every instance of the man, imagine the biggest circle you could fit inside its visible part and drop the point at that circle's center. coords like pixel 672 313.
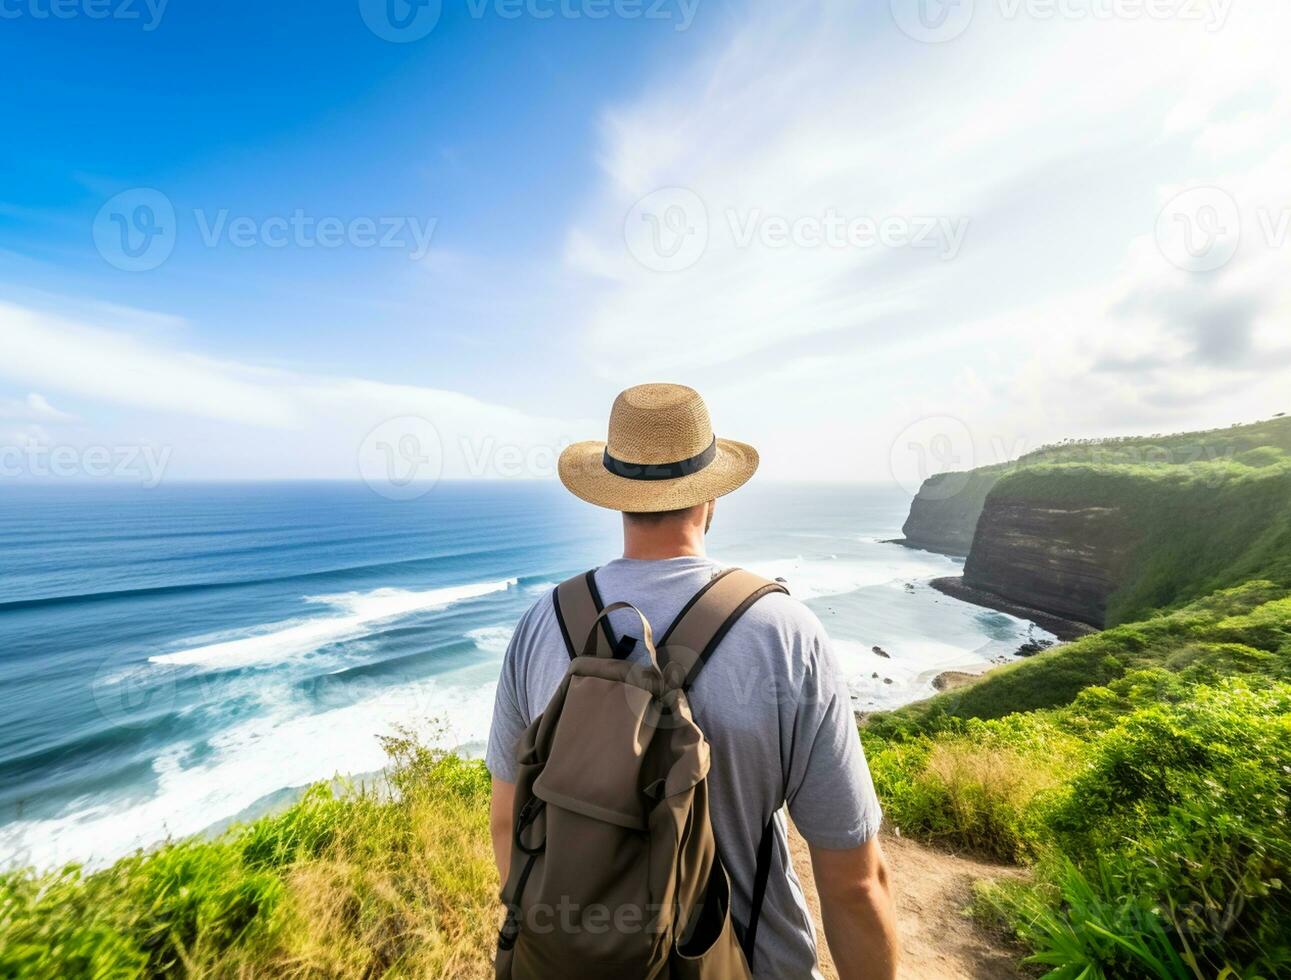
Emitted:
pixel 770 700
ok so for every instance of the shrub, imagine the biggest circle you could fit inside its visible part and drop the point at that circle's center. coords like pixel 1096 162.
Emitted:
pixel 1187 803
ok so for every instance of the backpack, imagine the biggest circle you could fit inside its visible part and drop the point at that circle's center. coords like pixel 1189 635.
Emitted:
pixel 614 868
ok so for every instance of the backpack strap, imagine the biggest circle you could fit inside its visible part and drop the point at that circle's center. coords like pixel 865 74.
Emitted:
pixel 688 643
pixel 706 619
pixel 761 875
pixel 578 607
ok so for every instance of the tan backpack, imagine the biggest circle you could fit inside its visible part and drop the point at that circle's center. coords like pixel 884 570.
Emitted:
pixel 614 869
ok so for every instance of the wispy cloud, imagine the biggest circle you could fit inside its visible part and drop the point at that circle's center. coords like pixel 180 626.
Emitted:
pixel 230 419
pixel 34 408
pixel 1058 142
pixel 833 230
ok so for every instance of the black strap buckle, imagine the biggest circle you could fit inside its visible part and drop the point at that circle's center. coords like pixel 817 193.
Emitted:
pixel 510 930
pixel 524 820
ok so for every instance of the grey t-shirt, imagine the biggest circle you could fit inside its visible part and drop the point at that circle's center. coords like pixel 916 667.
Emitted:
pixel 778 717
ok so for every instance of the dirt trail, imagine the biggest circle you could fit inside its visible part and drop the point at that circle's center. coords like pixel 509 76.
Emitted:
pixel 932 889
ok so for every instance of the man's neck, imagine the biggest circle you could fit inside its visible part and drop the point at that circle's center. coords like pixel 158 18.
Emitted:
pixel 670 540
pixel 678 535
pixel 657 551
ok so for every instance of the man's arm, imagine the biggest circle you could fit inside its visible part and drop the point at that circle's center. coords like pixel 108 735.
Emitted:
pixel 856 906
pixel 500 825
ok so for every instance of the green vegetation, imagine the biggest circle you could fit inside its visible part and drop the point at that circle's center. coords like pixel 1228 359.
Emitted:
pixel 1182 449
pixel 1152 797
pixel 951 503
pixel 396 882
pixel 1238 630
pixel 1143 773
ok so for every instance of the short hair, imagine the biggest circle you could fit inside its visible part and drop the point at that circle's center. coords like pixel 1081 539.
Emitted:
pixel 656 516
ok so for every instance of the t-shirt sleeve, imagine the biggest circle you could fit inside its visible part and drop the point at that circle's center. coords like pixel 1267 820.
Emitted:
pixel 509 716
pixel 830 792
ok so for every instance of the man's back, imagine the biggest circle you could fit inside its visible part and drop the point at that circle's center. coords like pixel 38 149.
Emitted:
pixel 777 717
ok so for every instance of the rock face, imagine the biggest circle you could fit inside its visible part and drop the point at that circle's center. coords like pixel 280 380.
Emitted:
pixel 943 516
pixel 1077 532
pixel 1062 557
pixel 952 679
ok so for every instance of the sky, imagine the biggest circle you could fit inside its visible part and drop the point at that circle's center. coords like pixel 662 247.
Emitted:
pixel 316 240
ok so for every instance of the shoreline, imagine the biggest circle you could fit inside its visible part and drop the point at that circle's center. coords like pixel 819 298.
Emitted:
pixel 916 546
pixel 1065 629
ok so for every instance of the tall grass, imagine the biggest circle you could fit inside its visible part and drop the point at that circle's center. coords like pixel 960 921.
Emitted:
pixel 389 881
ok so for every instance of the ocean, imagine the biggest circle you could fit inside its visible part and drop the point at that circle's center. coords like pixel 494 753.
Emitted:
pixel 176 658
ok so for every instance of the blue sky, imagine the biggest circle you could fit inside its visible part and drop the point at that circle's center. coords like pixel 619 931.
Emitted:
pixel 1033 175
pixel 487 126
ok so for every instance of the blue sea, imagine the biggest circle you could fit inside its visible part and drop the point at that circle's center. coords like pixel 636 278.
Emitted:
pixel 179 657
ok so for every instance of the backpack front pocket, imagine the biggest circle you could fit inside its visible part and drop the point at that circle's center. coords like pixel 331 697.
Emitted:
pixel 710 950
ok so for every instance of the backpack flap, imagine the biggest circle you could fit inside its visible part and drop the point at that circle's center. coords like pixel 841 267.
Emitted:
pixel 599 748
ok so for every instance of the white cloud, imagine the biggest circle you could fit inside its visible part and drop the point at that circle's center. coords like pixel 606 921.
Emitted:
pixel 228 419
pixel 33 408
pixel 114 367
pixel 1058 140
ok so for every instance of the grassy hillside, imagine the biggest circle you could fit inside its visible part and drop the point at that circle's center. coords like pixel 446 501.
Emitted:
pixel 1245 629
pixel 1144 771
pixel 397 882
pixel 948 505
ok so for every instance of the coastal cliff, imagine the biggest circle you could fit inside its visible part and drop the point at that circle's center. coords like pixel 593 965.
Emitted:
pixel 1064 558
pixel 943 516
pixel 1101 532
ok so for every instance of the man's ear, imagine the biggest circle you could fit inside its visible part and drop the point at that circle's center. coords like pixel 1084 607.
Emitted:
pixel 712 509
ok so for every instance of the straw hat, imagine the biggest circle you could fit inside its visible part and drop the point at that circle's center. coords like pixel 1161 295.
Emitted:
pixel 661 455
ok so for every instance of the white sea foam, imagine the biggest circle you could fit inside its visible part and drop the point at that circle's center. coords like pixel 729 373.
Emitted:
pixel 289 742
pixel 292 742
pixel 250 761
pixel 492 639
pixel 280 641
pixel 816 578
pixel 906 674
